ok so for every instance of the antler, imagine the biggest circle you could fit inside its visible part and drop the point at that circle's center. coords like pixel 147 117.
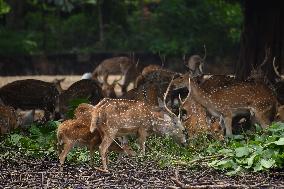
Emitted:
pixel 276 70
pixel 165 96
pixel 163 59
pixel 137 63
pixel 205 54
pixel 267 53
pixel 256 72
pixel 183 102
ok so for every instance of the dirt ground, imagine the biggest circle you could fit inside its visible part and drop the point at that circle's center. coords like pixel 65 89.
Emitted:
pixel 125 173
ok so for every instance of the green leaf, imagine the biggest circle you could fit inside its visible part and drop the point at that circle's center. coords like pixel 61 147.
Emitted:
pixel 234 172
pixel 34 130
pixel 279 142
pixel 227 152
pixel 267 163
pixel 15 139
pixel 242 151
pixel 258 167
pixel 250 161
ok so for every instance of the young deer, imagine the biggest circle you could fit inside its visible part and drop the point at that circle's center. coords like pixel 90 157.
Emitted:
pixel 235 99
pixel 77 131
pixel 119 117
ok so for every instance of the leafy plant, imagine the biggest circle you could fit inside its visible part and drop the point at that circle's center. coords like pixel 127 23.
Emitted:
pixel 257 152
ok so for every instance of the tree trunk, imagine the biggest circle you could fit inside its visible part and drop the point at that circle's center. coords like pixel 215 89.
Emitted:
pixel 101 23
pixel 263 28
pixel 14 19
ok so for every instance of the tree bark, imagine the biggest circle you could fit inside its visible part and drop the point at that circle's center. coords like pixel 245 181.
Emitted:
pixel 101 23
pixel 14 19
pixel 263 28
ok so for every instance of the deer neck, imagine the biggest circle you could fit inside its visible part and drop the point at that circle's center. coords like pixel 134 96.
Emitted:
pixel 59 88
pixel 160 126
pixel 203 98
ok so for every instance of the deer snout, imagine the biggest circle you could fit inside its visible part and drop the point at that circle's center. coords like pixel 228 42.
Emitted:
pixel 92 128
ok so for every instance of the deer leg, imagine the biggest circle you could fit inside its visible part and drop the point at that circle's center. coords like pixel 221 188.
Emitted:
pixel 92 149
pixel 261 119
pixel 142 134
pixel 228 125
pixel 103 148
pixel 67 147
pixel 95 141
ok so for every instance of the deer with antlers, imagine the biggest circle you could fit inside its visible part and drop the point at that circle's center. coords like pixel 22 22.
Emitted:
pixel 120 117
pixel 241 97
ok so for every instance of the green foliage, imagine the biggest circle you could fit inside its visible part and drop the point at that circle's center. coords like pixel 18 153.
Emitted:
pixel 257 152
pixel 19 42
pixel 4 7
pixel 40 140
pixel 172 27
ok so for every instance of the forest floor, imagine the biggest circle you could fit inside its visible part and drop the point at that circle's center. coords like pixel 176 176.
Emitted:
pixel 125 173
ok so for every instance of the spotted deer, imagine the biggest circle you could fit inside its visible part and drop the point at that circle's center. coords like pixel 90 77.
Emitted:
pixel 161 76
pixel 197 121
pixel 117 66
pixel 148 93
pixel 120 117
pixel 77 132
pixel 235 99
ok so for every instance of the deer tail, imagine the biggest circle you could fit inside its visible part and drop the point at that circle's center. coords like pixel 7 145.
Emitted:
pixel 94 122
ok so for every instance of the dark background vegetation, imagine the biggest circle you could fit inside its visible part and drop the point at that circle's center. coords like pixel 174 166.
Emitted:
pixel 81 33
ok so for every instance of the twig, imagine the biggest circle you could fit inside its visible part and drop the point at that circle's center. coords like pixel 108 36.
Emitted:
pixel 198 160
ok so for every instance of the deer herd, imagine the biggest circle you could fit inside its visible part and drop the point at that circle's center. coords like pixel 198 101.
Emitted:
pixel 162 102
